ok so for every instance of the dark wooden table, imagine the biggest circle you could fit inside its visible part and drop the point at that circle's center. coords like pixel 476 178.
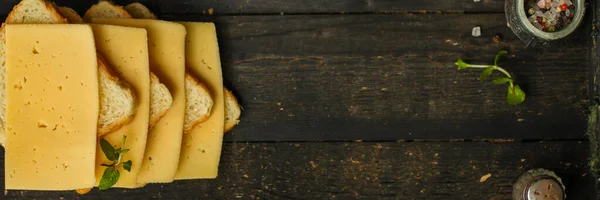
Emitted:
pixel 360 99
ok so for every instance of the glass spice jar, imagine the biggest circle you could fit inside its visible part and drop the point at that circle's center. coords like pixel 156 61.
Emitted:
pixel 541 21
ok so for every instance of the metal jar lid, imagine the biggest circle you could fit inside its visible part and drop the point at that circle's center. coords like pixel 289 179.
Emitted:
pixel 539 184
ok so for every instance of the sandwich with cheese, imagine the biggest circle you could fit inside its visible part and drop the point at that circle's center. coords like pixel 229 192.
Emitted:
pixel 232 107
pixel 117 103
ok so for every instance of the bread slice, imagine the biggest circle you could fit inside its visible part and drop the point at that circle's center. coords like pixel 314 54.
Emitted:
pixel 232 110
pixel 35 11
pixel 160 100
pixel 160 97
pixel 71 15
pixel 117 102
pixel 198 103
pixel 139 11
pixel 105 9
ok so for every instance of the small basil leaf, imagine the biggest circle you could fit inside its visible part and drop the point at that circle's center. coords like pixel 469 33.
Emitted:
pixel 127 165
pixel 109 178
pixel 461 64
pixel 500 53
pixel 109 150
pixel 515 95
pixel 502 80
pixel 486 73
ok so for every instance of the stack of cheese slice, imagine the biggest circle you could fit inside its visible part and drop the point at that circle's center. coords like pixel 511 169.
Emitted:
pixel 54 99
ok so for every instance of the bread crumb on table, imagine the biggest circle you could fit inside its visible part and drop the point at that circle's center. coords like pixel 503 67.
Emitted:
pixel 83 191
pixel 485 178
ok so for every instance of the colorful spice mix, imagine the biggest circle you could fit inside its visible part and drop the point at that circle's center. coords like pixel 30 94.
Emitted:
pixel 550 15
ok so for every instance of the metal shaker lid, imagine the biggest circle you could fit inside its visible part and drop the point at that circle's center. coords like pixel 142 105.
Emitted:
pixel 539 184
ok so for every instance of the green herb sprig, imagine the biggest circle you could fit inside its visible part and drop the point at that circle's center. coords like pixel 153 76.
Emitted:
pixel 111 173
pixel 515 94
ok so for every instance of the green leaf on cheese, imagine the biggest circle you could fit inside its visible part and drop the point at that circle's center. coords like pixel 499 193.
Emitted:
pixel 109 150
pixel 109 178
pixel 127 165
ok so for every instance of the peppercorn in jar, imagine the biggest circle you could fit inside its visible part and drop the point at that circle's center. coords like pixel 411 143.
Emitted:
pixel 550 15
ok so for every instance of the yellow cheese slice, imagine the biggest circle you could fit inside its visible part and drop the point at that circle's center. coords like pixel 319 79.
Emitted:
pixel 52 107
pixel 201 148
pixel 166 48
pixel 126 50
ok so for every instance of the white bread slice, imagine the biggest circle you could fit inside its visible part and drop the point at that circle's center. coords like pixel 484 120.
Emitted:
pixel 105 9
pixel 198 103
pixel 232 110
pixel 42 11
pixel 117 102
pixel 160 100
pixel 35 11
pixel 160 97
pixel 71 15
pixel 139 11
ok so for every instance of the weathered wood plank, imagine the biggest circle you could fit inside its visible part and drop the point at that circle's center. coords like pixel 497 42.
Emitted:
pixel 593 130
pixel 421 170
pixel 166 7
pixel 329 6
pixel 337 77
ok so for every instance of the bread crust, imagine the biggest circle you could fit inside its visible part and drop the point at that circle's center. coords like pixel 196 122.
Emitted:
pixel 229 94
pixel 49 5
pixel 143 11
pixel 71 15
pixel 83 191
pixel 87 16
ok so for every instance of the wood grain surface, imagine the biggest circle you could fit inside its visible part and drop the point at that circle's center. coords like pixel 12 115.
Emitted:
pixel 366 170
pixel 360 99
pixel 330 6
pixel 337 77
